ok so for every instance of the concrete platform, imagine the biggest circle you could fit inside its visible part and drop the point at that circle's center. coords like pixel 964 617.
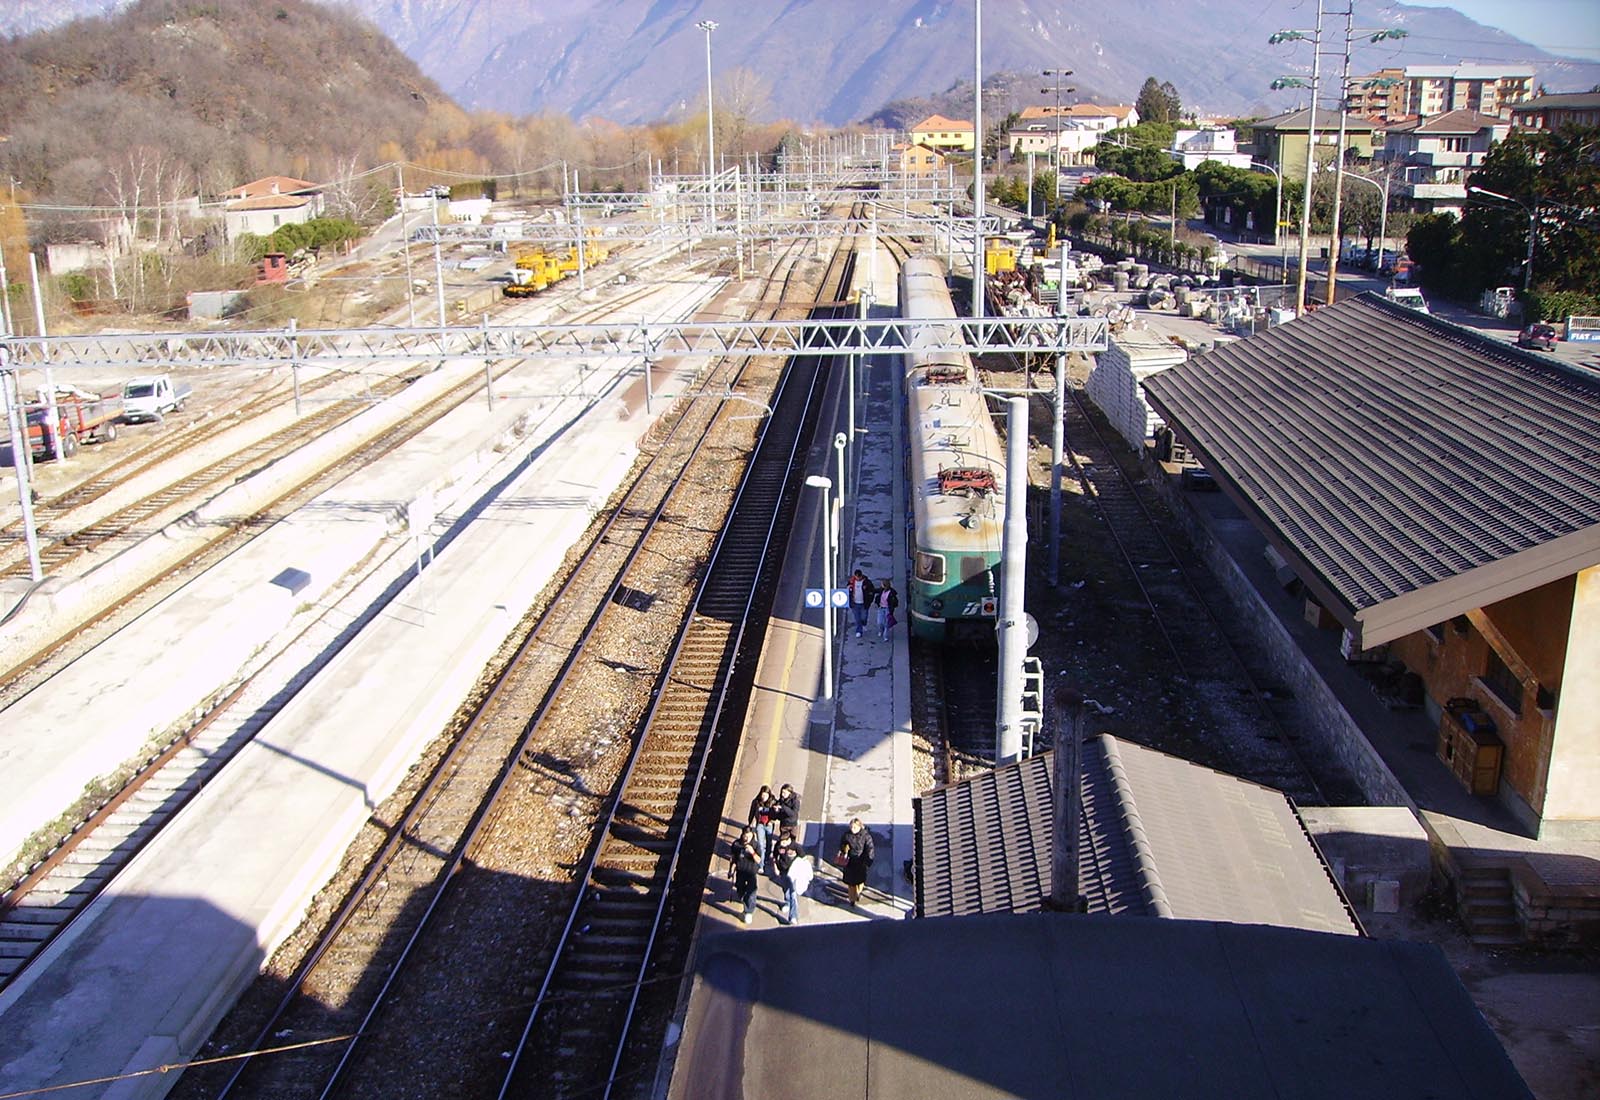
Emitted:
pixel 849 756
pixel 143 976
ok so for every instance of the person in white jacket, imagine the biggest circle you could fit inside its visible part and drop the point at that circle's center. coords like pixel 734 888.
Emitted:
pixel 795 884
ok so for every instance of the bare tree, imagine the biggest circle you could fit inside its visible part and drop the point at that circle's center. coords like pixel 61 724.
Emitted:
pixel 743 98
pixel 349 194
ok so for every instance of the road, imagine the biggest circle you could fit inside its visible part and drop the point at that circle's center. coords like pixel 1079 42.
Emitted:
pixel 1354 282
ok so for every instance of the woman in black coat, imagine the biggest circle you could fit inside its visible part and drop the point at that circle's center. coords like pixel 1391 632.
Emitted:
pixel 742 868
pixel 856 852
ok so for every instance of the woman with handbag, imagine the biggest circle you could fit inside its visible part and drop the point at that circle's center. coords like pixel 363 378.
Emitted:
pixel 888 600
pixel 856 852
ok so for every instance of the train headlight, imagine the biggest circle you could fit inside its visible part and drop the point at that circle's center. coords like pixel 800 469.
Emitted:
pixel 936 606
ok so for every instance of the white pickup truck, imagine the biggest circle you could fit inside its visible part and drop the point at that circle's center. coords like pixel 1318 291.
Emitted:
pixel 1409 297
pixel 148 398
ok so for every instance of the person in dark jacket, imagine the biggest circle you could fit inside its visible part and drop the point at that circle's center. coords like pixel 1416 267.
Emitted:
pixel 783 856
pixel 888 600
pixel 742 869
pixel 856 852
pixel 863 593
pixel 764 820
pixel 788 809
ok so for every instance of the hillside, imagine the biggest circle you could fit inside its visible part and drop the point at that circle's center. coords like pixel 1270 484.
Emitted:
pixel 175 96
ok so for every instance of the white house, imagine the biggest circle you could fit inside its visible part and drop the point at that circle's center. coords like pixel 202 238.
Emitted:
pixel 262 205
pixel 1191 148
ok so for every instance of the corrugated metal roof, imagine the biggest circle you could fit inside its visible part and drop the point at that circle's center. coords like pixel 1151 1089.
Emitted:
pixel 1389 451
pixel 1159 836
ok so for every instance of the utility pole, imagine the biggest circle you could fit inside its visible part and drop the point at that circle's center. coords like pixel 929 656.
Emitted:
pixel 405 246
pixel 1315 38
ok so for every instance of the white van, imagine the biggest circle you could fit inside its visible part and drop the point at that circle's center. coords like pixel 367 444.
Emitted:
pixel 1406 296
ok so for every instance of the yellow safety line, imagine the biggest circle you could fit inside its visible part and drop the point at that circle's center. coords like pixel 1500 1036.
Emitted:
pixel 771 746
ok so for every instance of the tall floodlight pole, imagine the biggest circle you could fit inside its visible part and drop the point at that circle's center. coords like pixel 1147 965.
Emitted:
pixel 1012 624
pixel 1058 74
pixel 709 25
pixel 1311 146
pixel 21 454
pixel 977 160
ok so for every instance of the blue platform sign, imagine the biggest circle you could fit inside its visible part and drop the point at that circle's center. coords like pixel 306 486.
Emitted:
pixel 813 597
pixel 841 597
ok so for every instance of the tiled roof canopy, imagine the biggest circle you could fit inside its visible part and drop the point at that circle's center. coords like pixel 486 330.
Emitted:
pixel 1411 469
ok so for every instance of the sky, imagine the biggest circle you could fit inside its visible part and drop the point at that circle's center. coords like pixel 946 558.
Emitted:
pixel 1569 28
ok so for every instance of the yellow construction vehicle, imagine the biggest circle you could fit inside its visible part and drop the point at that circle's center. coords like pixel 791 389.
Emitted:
pixel 534 273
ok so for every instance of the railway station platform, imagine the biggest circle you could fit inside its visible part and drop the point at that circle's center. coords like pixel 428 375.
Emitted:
pixel 849 755
pixel 143 975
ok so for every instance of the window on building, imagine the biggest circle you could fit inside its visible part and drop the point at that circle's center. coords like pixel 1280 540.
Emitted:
pixel 1453 144
pixel 1500 680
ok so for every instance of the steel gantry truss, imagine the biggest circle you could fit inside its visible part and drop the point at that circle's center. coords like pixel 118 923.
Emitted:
pixel 895 225
pixel 648 339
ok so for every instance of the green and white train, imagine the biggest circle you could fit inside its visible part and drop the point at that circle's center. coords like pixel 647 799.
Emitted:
pixel 957 469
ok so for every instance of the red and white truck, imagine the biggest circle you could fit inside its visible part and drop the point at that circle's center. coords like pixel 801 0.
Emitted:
pixel 81 417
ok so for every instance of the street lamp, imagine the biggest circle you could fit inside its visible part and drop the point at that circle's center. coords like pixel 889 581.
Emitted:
pixel 1533 217
pixel 818 481
pixel 1277 218
pixel 1383 218
pixel 709 25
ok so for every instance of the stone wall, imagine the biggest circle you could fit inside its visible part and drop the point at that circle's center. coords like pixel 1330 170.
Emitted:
pixel 1324 720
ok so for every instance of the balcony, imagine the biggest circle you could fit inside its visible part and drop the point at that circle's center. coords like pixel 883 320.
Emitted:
pixel 1436 191
pixel 1440 159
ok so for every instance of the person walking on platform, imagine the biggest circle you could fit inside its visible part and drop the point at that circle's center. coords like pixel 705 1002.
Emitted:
pixel 856 852
pixel 862 595
pixel 799 880
pixel 888 600
pixel 783 856
pixel 742 870
pixel 788 820
pixel 764 820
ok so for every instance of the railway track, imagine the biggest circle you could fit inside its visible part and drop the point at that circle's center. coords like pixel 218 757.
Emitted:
pixel 1244 733
pixel 56 887
pixel 534 783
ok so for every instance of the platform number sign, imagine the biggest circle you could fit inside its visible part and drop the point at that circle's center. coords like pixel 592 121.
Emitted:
pixel 840 597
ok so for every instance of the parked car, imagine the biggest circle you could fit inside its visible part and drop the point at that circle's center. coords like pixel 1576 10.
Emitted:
pixel 1409 297
pixel 1539 337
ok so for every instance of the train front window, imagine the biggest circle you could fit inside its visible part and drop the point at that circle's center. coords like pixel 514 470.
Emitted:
pixel 930 568
pixel 973 567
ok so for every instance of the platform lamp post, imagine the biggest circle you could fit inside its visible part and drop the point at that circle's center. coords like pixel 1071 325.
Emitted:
pixel 818 481
pixel 1315 38
pixel 709 25
pixel 1533 225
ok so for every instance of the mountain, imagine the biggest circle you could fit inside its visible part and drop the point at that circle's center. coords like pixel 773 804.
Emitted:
pixel 177 95
pixel 837 60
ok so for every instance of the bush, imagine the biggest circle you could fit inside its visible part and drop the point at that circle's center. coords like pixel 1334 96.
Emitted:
pixel 1556 306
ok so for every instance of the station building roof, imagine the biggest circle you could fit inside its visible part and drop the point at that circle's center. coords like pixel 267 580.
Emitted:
pixel 1159 837
pixel 1080 1006
pixel 1409 469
